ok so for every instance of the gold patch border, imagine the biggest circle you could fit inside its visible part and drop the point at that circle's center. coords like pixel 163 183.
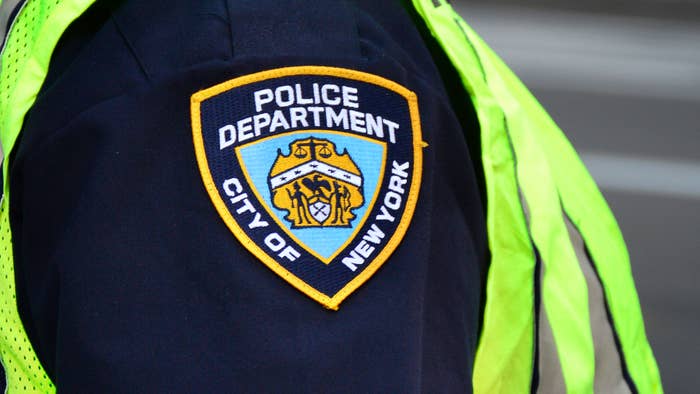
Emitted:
pixel 283 226
pixel 333 302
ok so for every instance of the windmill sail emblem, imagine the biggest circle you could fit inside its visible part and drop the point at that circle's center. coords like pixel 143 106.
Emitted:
pixel 316 186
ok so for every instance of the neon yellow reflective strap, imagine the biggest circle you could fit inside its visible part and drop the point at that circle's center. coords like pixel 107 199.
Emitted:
pixel 589 212
pixel 564 289
pixel 25 62
pixel 549 173
pixel 504 361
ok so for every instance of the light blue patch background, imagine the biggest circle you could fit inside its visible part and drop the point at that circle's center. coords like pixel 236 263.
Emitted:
pixel 258 158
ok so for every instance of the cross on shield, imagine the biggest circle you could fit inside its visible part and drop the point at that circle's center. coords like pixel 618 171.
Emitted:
pixel 320 210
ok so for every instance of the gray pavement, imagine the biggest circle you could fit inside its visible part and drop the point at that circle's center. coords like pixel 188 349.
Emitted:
pixel 660 9
pixel 626 90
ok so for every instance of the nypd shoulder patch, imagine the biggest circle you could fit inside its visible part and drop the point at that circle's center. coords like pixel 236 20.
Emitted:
pixel 315 170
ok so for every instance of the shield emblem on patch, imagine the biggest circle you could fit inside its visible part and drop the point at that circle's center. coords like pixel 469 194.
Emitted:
pixel 315 170
pixel 313 180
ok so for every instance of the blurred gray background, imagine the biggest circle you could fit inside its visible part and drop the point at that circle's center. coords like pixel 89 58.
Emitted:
pixel 622 79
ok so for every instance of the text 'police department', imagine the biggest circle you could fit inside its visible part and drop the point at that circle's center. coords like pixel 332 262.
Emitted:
pixel 315 105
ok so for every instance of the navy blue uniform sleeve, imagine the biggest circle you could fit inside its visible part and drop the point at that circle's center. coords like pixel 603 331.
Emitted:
pixel 128 278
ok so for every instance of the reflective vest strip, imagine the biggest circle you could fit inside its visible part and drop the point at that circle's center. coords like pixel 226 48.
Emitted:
pixel 564 289
pixel 505 357
pixel 547 166
pixel 590 213
pixel 25 63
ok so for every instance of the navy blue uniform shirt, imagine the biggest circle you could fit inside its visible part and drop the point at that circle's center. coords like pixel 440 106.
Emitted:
pixel 129 281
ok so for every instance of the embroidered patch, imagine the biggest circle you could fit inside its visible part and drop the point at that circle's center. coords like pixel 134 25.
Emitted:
pixel 315 170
